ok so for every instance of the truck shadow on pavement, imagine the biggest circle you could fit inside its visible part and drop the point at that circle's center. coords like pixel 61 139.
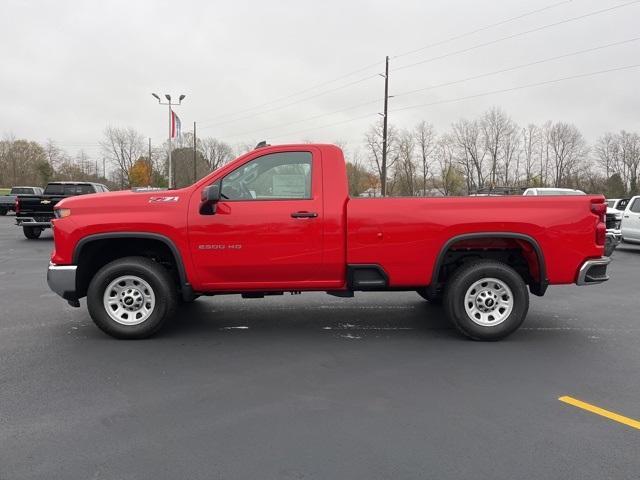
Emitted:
pixel 207 319
pixel 208 315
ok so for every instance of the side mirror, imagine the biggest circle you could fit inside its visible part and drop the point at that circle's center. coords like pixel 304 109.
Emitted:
pixel 210 197
pixel 211 194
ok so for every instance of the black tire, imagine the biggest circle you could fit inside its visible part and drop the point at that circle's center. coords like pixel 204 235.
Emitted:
pixel 32 232
pixel 3 212
pixel 433 299
pixel 466 277
pixel 155 275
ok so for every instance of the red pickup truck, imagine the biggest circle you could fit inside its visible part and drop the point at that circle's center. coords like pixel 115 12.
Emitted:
pixel 280 219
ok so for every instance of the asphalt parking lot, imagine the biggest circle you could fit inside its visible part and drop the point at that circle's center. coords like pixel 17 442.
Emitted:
pixel 312 386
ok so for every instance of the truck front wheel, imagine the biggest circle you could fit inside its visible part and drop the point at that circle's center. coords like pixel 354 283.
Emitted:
pixel 131 297
pixel 486 300
pixel 32 232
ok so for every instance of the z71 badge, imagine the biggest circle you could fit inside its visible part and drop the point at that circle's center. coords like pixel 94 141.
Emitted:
pixel 164 199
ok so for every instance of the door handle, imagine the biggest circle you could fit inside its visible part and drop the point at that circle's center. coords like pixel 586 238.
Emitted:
pixel 304 215
pixel 626 216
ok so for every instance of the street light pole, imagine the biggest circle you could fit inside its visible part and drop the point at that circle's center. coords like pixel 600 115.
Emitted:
pixel 170 104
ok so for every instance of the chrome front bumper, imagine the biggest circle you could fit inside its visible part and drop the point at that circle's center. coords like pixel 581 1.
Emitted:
pixel 593 271
pixel 615 235
pixel 62 280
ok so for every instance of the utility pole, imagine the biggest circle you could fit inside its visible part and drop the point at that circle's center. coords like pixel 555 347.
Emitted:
pixel 195 173
pixel 150 165
pixel 170 104
pixel 385 117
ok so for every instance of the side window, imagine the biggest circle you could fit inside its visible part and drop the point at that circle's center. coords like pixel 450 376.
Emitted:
pixel 635 206
pixel 622 204
pixel 276 176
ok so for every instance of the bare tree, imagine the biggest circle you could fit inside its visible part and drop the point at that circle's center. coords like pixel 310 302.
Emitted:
pixel 607 150
pixel 373 142
pixel 497 132
pixel 511 154
pixel 425 137
pixel 630 153
pixel 405 168
pixel 122 147
pixel 445 159
pixel 530 140
pixel 55 154
pixel 216 153
pixel 471 152
pixel 568 150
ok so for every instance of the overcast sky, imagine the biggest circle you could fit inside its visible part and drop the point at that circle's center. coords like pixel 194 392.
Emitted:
pixel 70 68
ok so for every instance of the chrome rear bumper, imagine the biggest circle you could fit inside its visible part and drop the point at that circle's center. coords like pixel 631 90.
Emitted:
pixel 593 271
pixel 31 222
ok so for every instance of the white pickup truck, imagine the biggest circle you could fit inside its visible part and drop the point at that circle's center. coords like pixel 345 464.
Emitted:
pixel 631 221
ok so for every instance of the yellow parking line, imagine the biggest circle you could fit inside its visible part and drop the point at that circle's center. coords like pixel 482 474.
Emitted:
pixel 601 411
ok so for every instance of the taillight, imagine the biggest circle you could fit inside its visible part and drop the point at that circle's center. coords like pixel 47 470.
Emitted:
pixel 599 208
pixel 17 206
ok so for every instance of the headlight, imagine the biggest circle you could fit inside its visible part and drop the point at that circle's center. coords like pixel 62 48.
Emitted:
pixel 62 212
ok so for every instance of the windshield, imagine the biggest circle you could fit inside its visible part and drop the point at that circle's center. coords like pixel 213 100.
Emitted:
pixel 611 203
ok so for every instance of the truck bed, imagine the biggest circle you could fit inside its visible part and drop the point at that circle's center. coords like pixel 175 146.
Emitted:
pixel 406 235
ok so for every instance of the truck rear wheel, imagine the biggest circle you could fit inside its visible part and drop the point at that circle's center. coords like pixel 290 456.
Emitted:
pixel 131 297
pixel 3 212
pixel 486 300
pixel 32 232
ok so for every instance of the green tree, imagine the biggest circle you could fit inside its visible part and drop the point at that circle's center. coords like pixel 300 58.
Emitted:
pixel 615 187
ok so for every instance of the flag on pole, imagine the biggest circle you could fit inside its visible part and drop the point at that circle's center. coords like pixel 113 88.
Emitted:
pixel 176 125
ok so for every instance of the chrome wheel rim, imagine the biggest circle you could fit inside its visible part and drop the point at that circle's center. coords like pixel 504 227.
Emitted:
pixel 129 300
pixel 488 302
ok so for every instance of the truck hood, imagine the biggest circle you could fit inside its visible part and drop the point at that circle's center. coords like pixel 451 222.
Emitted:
pixel 121 200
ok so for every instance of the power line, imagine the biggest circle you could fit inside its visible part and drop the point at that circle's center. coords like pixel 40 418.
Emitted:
pixel 470 97
pixel 315 117
pixel 520 87
pixel 515 35
pixel 306 99
pixel 328 125
pixel 369 66
pixel 295 94
pixel 517 67
pixel 440 85
pixel 481 29
pixel 439 57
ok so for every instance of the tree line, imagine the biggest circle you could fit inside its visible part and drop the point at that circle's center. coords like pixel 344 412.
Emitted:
pixel 473 155
pixel 491 151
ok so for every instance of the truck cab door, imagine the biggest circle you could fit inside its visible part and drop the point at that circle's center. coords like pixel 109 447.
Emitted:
pixel 266 231
pixel 631 220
